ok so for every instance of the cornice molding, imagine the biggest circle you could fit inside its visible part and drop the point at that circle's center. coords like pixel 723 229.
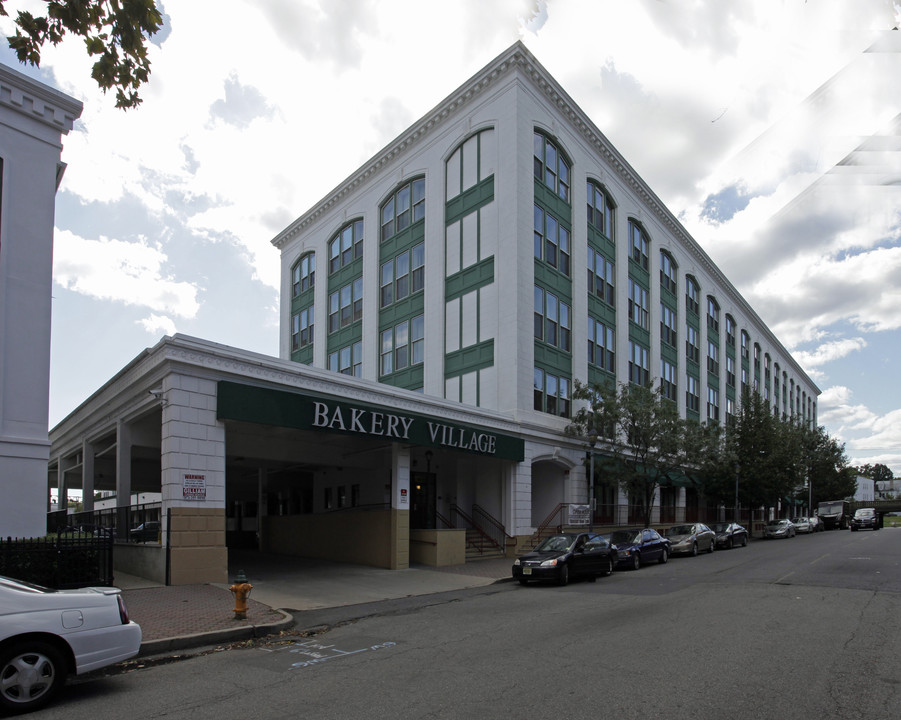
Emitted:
pixel 37 101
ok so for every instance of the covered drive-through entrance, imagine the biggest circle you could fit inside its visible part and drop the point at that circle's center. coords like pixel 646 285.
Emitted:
pixel 213 448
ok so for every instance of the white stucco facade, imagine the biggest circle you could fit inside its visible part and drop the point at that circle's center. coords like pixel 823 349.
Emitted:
pixel 33 117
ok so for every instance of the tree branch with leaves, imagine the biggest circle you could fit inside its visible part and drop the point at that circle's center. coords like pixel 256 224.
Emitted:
pixel 116 32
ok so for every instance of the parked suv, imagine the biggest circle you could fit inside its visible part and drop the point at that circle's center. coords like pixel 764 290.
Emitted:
pixel 865 518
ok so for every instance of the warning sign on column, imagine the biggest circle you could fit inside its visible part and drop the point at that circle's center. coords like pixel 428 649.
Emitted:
pixel 194 487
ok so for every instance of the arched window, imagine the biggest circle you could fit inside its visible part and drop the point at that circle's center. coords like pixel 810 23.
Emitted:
pixel 638 244
pixel 346 246
pixel 303 274
pixel 692 295
pixel 600 209
pixel 405 207
pixel 668 272
pixel 551 166
pixel 713 314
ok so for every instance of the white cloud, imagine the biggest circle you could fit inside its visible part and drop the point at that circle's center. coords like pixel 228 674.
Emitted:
pixel 158 325
pixel 130 273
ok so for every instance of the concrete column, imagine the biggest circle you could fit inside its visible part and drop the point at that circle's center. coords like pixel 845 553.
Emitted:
pixel 87 476
pixel 400 507
pixel 193 480
pixel 680 505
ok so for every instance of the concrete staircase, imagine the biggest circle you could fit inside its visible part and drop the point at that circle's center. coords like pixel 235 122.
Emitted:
pixel 479 548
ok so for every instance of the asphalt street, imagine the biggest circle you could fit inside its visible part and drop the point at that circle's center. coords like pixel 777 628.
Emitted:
pixel 805 627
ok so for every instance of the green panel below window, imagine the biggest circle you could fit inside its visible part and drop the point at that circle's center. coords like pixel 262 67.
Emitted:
pixel 469 200
pixel 669 299
pixel 469 279
pixel 345 275
pixel 554 360
pixel 601 243
pixel 406 238
pixel 692 415
pixel 304 355
pixel 596 376
pixel 693 319
pixel 669 353
pixel 639 335
pixel 713 381
pixel 345 336
pixel 639 274
pixel 469 359
pixel 409 378
pixel 601 310
pixel 552 202
pixel 554 281
pixel 402 310
pixel 693 369
pixel 302 301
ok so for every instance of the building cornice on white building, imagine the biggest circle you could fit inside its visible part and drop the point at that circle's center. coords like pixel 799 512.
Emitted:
pixel 38 101
pixel 517 58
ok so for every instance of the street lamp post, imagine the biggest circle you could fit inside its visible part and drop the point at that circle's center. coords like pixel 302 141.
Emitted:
pixel 592 439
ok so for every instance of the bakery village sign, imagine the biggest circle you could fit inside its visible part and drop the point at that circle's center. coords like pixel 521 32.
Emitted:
pixel 278 407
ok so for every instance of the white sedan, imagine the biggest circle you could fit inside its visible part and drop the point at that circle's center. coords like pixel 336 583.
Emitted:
pixel 47 634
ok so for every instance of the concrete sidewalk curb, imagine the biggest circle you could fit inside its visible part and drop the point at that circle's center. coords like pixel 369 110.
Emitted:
pixel 216 637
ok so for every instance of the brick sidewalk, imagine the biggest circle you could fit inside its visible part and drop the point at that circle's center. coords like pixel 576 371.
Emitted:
pixel 184 610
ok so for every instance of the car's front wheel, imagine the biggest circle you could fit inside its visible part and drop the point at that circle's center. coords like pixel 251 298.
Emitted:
pixel 664 556
pixel 563 576
pixel 610 566
pixel 31 673
pixel 712 546
pixel 694 549
pixel 636 561
pixel 744 540
pixel 729 544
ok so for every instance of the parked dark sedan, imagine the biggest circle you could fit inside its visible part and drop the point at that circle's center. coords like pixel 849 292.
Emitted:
pixel 146 532
pixel 564 556
pixel 639 547
pixel 728 535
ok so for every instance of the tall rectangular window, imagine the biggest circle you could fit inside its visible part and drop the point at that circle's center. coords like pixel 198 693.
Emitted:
pixel 639 245
pixel 692 344
pixel 667 325
pixel 668 380
pixel 551 240
pixel 552 319
pixel 692 394
pixel 601 345
pixel 638 305
pixel 601 277
pixel 639 367
pixel 551 393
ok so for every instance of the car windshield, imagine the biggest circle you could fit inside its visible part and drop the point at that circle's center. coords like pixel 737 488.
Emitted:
pixel 625 537
pixel 720 527
pixel 556 543
pixel 864 513
pixel 776 523
pixel 679 530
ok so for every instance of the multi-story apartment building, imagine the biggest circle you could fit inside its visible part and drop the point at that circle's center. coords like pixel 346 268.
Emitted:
pixel 437 307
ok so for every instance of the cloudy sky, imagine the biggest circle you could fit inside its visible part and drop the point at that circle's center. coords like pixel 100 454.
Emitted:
pixel 771 128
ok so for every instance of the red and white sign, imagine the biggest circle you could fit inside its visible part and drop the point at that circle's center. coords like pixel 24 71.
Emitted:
pixel 193 487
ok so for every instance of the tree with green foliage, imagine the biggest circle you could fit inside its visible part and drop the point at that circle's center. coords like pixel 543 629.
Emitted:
pixel 641 433
pixel 707 455
pixel 826 466
pixel 114 31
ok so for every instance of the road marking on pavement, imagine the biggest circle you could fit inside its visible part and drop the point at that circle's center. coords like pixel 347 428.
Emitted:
pixel 316 652
pixel 780 580
pixel 814 562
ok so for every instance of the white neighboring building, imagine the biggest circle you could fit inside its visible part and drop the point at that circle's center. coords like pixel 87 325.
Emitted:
pixel 866 489
pixel 33 117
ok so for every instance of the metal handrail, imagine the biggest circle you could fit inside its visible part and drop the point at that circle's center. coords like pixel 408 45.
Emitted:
pixel 473 525
pixel 500 535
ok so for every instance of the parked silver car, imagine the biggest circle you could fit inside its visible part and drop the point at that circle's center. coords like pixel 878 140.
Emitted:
pixel 47 634
pixel 802 524
pixel 689 539
pixel 779 529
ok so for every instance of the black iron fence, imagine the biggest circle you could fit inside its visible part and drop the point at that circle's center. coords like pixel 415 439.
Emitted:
pixel 135 523
pixel 69 559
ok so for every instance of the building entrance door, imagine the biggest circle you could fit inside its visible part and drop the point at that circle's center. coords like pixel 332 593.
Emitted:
pixel 423 505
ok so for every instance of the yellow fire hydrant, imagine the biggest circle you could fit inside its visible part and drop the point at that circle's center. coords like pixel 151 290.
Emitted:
pixel 241 590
